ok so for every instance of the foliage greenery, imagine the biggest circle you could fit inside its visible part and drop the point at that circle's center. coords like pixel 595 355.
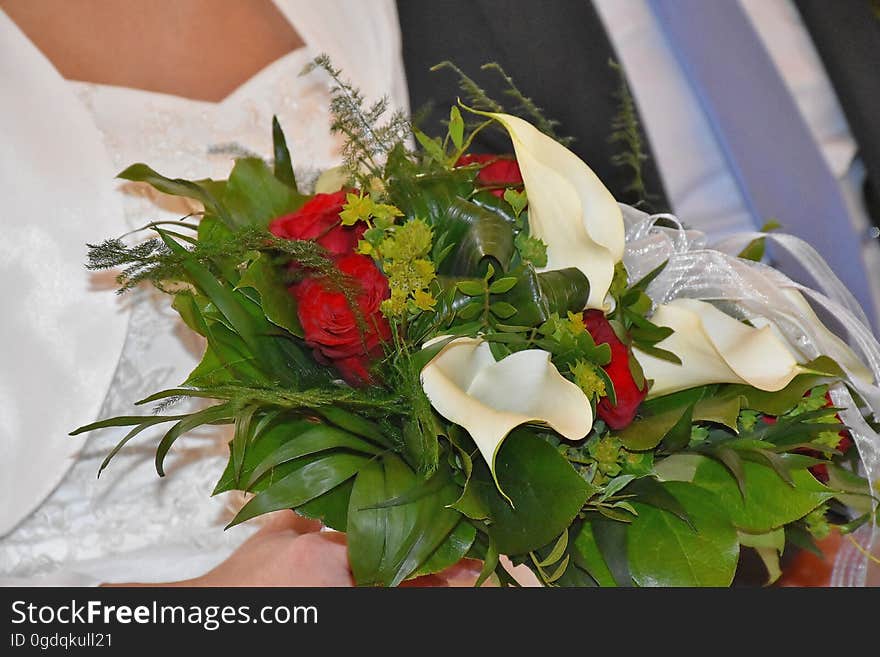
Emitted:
pixel 670 500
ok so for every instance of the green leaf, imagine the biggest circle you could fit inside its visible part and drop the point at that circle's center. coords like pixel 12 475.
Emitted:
pixel 518 202
pixel 490 563
pixel 226 360
pixel 456 127
pixel 558 572
pixel 502 207
pixel 450 551
pixel 611 539
pixel 677 400
pixel 242 435
pixel 202 190
pixel 277 303
pixel 556 553
pixel 211 415
pixel 432 146
pixel 770 558
pixel 317 439
pixel 146 423
pixel 774 460
pixel 647 432
pixel 678 437
pixel 797 535
pixel 471 288
pixel 390 543
pixel 734 464
pixel 664 551
pixel 125 421
pixel 367 527
pixel 302 485
pixel 283 163
pixel 502 309
pixel 545 490
pixel 537 296
pixel 331 508
pixel 774 539
pixel 470 311
pixel 754 250
pixel 722 409
pixel 678 467
pixel 472 503
pixel 769 547
pixel 856 492
pixel 429 197
pixel 273 435
pixel 782 401
pixel 481 237
pixel 355 424
pixel 285 361
pixel 502 285
pixel 564 290
pixel 438 525
pixel 648 490
pixel 531 249
pixel 586 555
pixel 769 502
pixel 254 196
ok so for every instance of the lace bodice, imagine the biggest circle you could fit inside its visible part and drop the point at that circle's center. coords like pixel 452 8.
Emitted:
pixel 130 524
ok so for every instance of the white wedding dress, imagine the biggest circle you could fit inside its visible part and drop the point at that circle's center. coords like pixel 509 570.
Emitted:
pixel 63 525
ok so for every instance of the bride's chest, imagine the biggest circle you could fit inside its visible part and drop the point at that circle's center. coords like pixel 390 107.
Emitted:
pixel 185 138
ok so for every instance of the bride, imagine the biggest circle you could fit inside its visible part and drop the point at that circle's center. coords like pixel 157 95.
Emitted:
pixel 89 88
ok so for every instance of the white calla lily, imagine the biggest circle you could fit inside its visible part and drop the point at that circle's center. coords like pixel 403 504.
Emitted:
pixel 489 399
pixel 715 348
pixel 570 210
pixel 842 352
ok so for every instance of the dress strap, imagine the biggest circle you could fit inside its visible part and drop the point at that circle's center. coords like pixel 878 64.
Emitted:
pixel 361 38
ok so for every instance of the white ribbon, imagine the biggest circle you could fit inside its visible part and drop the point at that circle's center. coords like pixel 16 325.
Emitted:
pixel 757 292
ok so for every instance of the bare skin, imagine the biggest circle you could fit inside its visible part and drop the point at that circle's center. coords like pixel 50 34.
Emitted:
pixel 287 551
pixel 199 49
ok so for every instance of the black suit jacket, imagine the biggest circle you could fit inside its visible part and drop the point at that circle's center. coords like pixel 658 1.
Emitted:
pixel 556 51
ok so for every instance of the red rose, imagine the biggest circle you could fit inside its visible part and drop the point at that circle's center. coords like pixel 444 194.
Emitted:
pixel 629 396
pixel 330 326
pixel 496 171
pixel 319 220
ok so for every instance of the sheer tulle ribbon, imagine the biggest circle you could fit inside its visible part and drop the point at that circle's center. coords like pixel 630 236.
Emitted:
pixel 759 293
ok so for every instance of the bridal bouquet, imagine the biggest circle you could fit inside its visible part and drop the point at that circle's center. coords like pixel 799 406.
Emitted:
pixel 447 354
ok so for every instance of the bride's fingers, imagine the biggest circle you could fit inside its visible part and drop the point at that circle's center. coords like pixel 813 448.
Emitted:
pixel 288 520
pixel 322 560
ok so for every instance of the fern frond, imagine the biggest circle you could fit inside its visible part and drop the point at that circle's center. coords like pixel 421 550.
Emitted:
pixel 476 96
pixel 368 141
pixel 154 262
pixel 626 129
pixel 527 107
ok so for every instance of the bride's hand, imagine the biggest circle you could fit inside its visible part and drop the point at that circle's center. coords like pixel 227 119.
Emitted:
pixel 287 551
pixel 290 550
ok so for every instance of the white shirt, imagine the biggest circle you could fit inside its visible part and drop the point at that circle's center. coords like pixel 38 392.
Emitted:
pixel 700 186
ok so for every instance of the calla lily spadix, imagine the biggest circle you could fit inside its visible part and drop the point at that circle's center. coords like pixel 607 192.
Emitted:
pixel 489 399
pixel 570 210
pixel 715 348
